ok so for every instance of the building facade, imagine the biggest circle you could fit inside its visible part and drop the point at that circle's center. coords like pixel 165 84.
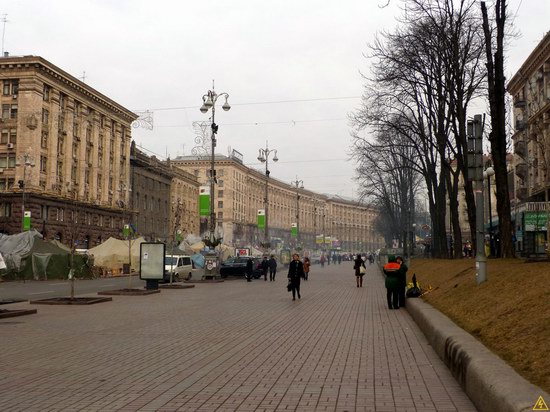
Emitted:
pixel 240 193
pixel 530 88
pixel 164 199
pixel 64 153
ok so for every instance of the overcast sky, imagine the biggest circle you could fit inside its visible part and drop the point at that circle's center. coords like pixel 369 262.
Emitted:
pixel 306 55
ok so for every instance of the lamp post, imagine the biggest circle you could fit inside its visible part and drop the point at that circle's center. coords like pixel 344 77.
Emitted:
pixel 28 161
pixel 127 229
pixel 488 173
pixel 263 156
pixel 209 102
pixel 298 184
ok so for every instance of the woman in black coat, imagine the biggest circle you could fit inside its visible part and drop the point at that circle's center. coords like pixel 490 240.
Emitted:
pixel 357 263
pixel 295 273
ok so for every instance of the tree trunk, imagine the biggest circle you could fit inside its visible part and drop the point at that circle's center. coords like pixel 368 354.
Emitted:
pixel 497 136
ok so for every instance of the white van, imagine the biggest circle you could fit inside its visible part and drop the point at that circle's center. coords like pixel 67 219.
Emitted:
pixel 180 266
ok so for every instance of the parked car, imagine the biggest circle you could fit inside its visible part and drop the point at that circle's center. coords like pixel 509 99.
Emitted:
pixel 180 266
pixel 236 266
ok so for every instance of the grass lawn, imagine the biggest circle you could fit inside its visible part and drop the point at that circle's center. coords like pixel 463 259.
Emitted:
pixel 509 314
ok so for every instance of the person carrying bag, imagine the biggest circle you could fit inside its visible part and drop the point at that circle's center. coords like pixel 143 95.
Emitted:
pixel 360 270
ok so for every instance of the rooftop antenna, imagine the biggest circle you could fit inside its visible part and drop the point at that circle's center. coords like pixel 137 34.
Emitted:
pixel 3 19
pixel 83 78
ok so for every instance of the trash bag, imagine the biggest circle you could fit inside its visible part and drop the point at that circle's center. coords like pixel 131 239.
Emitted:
pixel 414 292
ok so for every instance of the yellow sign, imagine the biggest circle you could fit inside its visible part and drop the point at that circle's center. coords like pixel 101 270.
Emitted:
pixel 540 405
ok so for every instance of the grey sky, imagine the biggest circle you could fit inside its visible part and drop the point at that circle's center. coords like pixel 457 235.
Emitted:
pixel 165 54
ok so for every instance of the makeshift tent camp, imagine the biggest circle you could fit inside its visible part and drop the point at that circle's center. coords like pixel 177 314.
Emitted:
pixel 112 253
pixel 28 256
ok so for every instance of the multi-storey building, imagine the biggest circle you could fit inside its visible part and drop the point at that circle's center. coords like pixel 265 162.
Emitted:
pixel 530 88
pixel 240 193
pixel 164 198
pixel 64 153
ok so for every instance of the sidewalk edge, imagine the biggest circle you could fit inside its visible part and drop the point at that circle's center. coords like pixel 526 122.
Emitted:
pixel 489 382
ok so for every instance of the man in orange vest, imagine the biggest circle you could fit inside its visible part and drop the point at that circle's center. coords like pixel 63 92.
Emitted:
pixel 392 270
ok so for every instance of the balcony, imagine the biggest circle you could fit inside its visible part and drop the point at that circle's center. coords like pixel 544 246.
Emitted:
pixel 520 148
pixel 522 170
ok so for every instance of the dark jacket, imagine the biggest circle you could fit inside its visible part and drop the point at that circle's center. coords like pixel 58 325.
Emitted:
pixel 357 263
pixel 295 271
pixel 265 265
pixel 272 264
pixel 403 275
pixel 249 266
pixel 392 270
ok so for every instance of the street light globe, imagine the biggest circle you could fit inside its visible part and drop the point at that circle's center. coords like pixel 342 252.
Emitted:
pixel 275 159
pixel 203 108
pixel 209 103
pixel 226 106
pixel 490 171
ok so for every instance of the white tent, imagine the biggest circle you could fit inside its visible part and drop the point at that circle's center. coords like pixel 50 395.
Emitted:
pixel 112 253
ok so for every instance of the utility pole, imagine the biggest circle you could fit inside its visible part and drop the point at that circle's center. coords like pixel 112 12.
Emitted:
pixel 475 173
pixel 298 184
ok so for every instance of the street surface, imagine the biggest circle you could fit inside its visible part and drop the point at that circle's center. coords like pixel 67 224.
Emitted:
pixel 33 290
pixel 231 346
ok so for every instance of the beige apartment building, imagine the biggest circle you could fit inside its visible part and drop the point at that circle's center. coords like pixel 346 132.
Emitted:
pixel 64 153
pixel 240 193
pixel 530 88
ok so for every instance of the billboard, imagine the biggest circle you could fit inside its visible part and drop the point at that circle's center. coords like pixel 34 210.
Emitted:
pixel 261 218
pixel 294 230
pixel 204 201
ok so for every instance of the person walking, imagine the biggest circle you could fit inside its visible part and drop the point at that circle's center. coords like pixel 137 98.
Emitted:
pixel 360 270
pixel 402 280
pixel 295 273
pixel 249 265
pixel 307 264
pixel 272 268
pixel 322 260
pixel 265 267
pixel 391 270
pixel 339 259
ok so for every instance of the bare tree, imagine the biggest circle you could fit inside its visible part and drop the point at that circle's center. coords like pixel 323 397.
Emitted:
pixel 494 50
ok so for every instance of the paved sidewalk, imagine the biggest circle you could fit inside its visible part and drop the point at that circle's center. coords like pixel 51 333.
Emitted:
pixel 226 347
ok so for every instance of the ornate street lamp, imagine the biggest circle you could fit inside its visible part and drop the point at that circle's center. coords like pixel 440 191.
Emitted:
pixel 28 161
pixel 263 156
pixel 209 102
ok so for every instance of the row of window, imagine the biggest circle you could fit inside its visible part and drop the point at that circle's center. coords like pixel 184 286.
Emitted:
pixel 10 87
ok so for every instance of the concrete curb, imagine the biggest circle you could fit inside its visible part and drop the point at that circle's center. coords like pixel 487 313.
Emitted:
pixel 491 383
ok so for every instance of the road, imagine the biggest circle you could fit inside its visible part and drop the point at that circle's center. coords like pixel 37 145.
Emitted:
pixel 230 346
pixel 31 290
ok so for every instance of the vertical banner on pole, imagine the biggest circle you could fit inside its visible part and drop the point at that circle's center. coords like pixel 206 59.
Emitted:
pixel 204 201
pixel 126 231
pixel 294 230
pixel 27 221
pixel 261 218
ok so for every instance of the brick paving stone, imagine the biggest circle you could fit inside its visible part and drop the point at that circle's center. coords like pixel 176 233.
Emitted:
pixel 232 346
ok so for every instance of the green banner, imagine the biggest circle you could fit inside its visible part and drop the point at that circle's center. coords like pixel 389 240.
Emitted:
pixel 535 221
pixel 26 221
pixel 294 230
pixel 126 231
pixel 261 218
pixel 204 201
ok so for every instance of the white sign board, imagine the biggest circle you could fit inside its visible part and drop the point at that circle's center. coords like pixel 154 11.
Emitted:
pixel 151 260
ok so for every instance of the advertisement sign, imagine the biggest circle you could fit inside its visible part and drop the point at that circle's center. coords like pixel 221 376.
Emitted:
pixel 243 252
pixel 151 260
pixel 261 218
pixel 319 239
pixel 535 221
pixel 204 201
pixel 27 220
pixel 294 230
pixel 328 240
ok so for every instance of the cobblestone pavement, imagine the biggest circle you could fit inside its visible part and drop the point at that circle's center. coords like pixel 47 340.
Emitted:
pixel 232 346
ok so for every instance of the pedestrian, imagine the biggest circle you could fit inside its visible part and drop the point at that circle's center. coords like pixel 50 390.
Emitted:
pixel 339 259
pixel 328 259
pixel 371 259
pixel 402 280
pixel 249 265
pixel 334 258
pixel 391 270
pixel 322 260
pixel 360 270
pixel 272 268
pixel 307 264
pixel 265 267
pixel 295 274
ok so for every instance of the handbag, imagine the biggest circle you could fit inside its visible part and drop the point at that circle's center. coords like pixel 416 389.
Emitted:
pixel 289 286
pixel 362 270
